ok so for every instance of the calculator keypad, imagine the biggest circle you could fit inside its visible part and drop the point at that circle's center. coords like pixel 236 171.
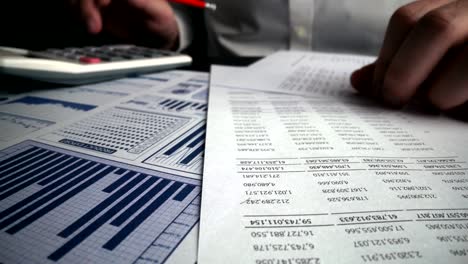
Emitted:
pixel 94 55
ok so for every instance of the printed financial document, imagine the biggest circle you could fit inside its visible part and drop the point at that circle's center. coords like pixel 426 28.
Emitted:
pixel 296 72
pixel 337 179
pixel 103 173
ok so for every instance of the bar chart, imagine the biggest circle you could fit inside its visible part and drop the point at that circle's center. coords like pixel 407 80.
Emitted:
pixel 181 105
pixel 57 205
pixel 183 154
pixel 168 105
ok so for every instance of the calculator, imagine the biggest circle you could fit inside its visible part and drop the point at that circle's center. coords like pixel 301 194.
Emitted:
pixel 83 65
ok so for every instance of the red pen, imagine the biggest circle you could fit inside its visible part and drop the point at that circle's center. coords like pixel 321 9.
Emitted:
pixel 196 3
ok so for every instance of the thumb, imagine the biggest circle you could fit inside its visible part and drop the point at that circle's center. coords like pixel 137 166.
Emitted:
pixel 362 79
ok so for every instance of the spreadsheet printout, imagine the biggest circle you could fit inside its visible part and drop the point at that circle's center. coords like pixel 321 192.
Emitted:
pixel 335 179
pixel 103 173
pixel 300 73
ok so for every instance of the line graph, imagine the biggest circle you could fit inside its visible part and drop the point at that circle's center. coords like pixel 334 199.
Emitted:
pixel 14 126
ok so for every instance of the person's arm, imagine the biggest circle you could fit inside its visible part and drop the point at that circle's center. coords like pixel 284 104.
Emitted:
pixel 424 54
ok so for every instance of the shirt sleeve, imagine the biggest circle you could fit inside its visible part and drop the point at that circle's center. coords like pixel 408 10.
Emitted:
pixel 183 22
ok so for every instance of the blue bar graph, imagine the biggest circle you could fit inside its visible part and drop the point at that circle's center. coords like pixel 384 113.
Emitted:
pixel 100 207
pixel 20 162
pixel 68 166
pixel 140 203
pixel 184 192
pixel 28 151
pixel 119 182
pixel 165 102
pixel 28 179
pixel 176 105
pixel 49 207
pixel 183 106
pixel 120 196
pixel 85 233
pixel 35 196
pixel 184 153
pixel 184 141
pixel 47 198
pixel 24 174
pixel 128 229
pixel 180 105
pixel 120 171
pixel 196 141
pixel 198 151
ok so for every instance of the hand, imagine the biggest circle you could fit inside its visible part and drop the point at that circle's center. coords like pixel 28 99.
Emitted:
pixel 425 53
pixel 149 22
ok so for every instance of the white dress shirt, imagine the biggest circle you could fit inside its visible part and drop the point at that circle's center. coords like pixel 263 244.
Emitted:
pixel 260 27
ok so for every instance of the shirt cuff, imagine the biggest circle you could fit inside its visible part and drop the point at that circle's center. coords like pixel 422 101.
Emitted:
pixel 185 31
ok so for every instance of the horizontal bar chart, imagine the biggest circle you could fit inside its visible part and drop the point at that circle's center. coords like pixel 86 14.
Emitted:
pixel 97 206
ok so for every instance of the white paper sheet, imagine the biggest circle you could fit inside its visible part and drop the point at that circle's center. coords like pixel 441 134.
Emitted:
pixel 294 179
pixel 300 73
pixel 105 173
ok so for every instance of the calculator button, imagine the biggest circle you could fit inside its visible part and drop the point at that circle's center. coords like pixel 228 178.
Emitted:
pixel 113 59
pixel 137 57
pixel 90 60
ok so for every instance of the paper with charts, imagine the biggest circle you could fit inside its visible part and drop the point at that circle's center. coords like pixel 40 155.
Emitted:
pixel 329 179
pixel 105 173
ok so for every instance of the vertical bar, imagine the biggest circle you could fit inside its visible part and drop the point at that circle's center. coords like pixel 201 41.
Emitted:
pixel 30 151
pixel 35 196
pixel 165 102
pixel 113 186
pixel 196 141
pixel 184 141
pixel 172 102
pixel 140 203
pixel 141 217
pixel 28 180
pixel 56 203
pixel 120 171
pixel 19 164
pixel 100 207
pixel 90 229
pixel 184 193
pixel 193 155
pixel 26 173
pixel 176 105
pixel 183 106
pixel 63 171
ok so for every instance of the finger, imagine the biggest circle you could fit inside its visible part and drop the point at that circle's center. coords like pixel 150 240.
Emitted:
pixel 423 49
pixel 161 20
pixel 361 79
pixel 91 16
pixel 103 3
pixel 401 23
pixel 450 89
